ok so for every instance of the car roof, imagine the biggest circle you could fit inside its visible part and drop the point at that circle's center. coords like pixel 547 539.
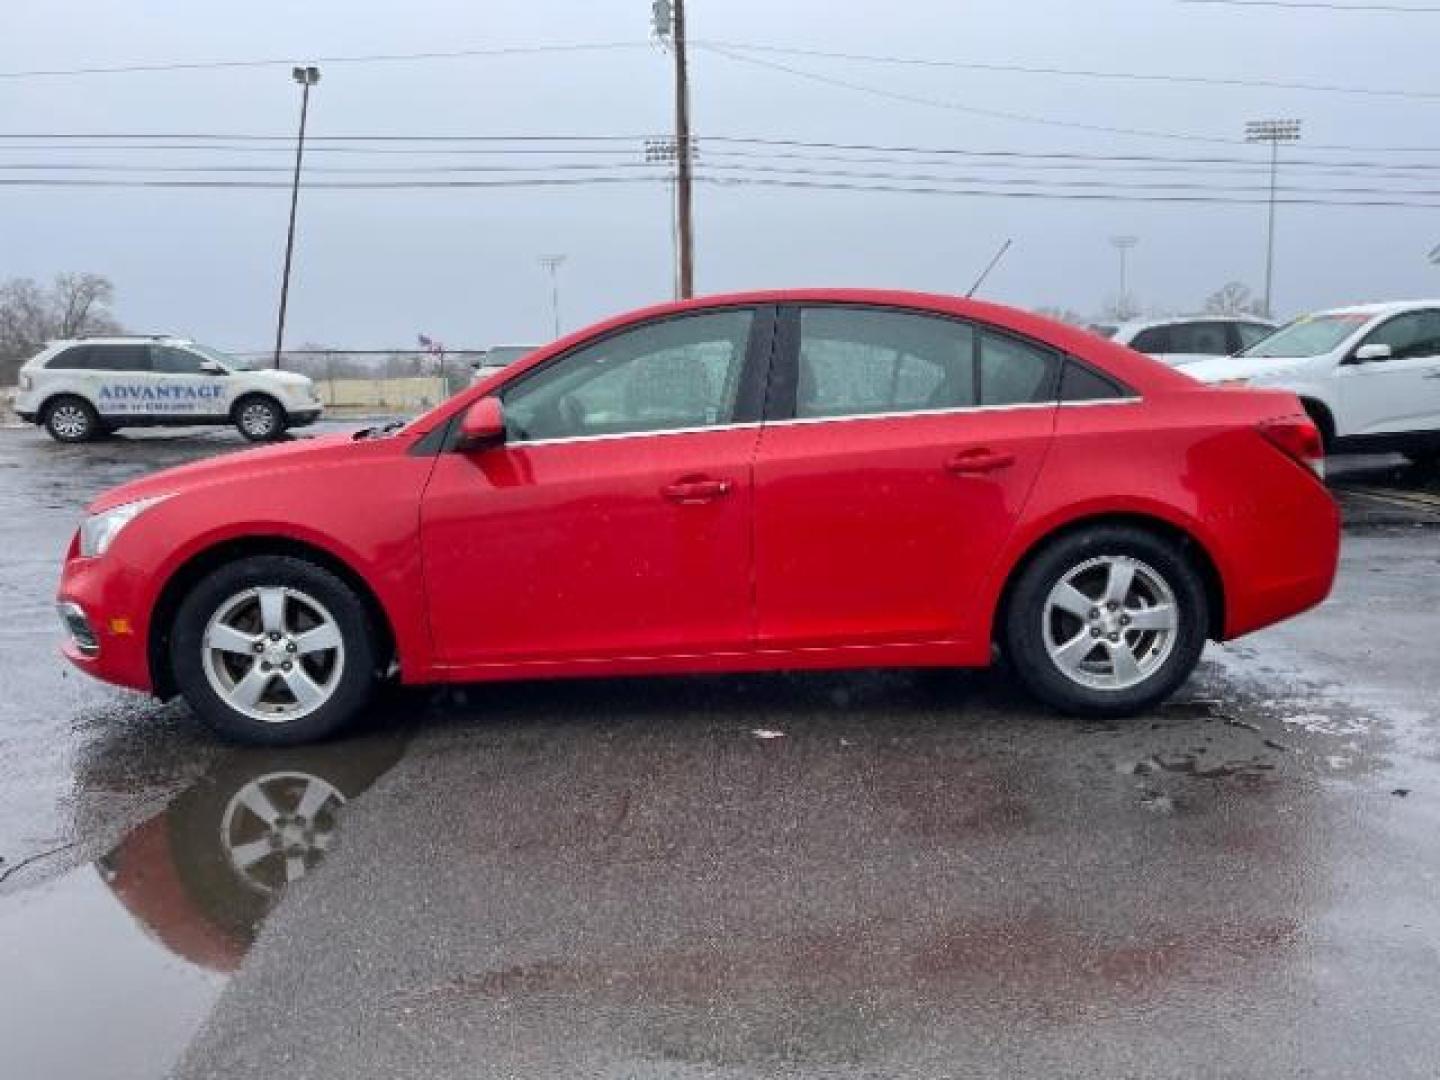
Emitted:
pixel 1130 367
pixel 1136 325
pixel 1384 307
pixel 122 339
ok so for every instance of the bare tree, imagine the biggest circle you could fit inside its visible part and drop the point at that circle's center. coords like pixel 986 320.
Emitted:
pixel 1234 298
pixel 31 315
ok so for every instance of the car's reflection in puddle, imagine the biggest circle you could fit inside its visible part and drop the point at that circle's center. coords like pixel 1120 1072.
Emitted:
pixel 196 879
pixel 202 875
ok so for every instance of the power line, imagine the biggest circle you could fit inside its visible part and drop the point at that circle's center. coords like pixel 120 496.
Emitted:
pixel 1201 194
pixel 1058 196
pixel 955 106
pixel 1392 9
pixel 363 58
pixel 1079 73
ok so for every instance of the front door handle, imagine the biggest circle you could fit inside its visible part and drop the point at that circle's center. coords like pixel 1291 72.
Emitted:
pixel 979 460
pixel 696 489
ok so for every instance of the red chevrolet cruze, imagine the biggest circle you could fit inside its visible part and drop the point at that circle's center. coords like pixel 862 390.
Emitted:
pixel 798 479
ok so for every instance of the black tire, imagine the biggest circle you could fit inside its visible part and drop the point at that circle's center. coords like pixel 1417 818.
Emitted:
pixel 71 419
pixel 353 684
pixel 1025 622
pixel 1324 421
pixel 259 418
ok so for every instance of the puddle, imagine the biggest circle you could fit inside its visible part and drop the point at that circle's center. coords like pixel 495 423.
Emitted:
pixel 134 949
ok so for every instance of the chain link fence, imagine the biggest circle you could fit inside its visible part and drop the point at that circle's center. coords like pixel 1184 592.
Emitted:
pixel 378 381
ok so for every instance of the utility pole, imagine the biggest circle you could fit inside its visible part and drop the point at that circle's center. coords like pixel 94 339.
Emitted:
pixel 553 263
pixel 1123 244
pixel 669 28
pixel 1273 132
pixel 306 77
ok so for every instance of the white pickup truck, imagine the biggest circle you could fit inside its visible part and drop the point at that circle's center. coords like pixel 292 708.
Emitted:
pixel 83 388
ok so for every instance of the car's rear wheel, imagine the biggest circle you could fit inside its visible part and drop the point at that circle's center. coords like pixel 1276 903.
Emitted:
pixel 274 650
pixel 259 418
pixel 1109 620
pixel 71 419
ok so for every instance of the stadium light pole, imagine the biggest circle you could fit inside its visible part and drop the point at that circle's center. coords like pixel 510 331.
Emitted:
pixel 668 25
pixel 552 263
pixel 1122 244
pixel 1273 132
pixel 306 77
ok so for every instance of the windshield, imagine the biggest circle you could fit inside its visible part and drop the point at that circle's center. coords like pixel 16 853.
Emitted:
pixel 229 363
pixel 1310 335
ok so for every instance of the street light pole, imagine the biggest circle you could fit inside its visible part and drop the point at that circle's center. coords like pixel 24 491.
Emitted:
pixel 1123 244
pixel 1273 132
pixel 669 27
pixel 306 77
pixel 552 263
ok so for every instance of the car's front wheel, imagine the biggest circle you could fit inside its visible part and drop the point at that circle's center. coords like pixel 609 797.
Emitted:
pixel 1108 620
pixel 274 650
pixel 259 418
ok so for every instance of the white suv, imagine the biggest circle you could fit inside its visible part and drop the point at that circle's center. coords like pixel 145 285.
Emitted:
pixel 83 388
pixel 1188 340
pixel 1369 375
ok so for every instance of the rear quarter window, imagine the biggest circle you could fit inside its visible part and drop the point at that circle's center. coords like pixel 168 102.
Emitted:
pixel 75 358
pixel 1081 383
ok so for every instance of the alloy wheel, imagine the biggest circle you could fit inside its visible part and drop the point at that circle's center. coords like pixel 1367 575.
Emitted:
pixel 257 420
pixel 69 421
pixel 1110 623
pixel 273 653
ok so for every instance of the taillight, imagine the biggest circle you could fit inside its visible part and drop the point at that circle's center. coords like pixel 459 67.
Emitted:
pixel 1299 438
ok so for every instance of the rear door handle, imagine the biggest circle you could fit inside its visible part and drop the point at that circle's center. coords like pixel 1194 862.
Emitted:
pixel 696 489
pixel 980 459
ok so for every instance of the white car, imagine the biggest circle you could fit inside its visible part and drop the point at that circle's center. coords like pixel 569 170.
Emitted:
pixel 83 388
pixel 498 358
pixel 1368 375
pixel 1189 340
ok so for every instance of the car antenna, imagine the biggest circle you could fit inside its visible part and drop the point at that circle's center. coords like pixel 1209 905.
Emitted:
pixel 991 266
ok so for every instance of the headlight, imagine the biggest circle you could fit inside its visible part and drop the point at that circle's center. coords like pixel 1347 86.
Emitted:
pixel 98 531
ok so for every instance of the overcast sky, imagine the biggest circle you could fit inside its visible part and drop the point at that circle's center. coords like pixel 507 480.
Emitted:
pixel 374 268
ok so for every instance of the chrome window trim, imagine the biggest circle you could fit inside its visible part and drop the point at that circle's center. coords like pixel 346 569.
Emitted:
pixel 825 420
pixel 632 434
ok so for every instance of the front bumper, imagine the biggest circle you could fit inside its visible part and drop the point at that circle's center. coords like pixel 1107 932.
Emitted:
pixel 304 417
pixel 30 416
pixel 112 604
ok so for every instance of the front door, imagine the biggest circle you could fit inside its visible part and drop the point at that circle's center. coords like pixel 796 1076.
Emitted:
pixel 615 520
pixel 905 446
pixel 1399 393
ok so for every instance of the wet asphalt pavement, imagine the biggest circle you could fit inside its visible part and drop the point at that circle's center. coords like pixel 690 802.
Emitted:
pixel 924 875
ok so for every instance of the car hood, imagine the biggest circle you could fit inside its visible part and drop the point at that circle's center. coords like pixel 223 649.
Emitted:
pixel 298 453
pixel 1222 368
pixel 283 378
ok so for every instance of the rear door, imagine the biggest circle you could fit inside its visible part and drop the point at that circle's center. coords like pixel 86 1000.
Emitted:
pixel 121 378
pixel 898 451
pixel 1398 394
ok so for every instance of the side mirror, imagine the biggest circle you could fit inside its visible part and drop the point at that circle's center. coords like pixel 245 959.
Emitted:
pixel 211 367
pixel 482 425
pixel 1366 353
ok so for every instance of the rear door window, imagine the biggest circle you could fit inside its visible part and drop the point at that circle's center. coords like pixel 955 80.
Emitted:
pixel 863 361
pixel 75 358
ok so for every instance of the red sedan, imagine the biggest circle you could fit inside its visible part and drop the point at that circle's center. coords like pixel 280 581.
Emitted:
pixel 798 479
